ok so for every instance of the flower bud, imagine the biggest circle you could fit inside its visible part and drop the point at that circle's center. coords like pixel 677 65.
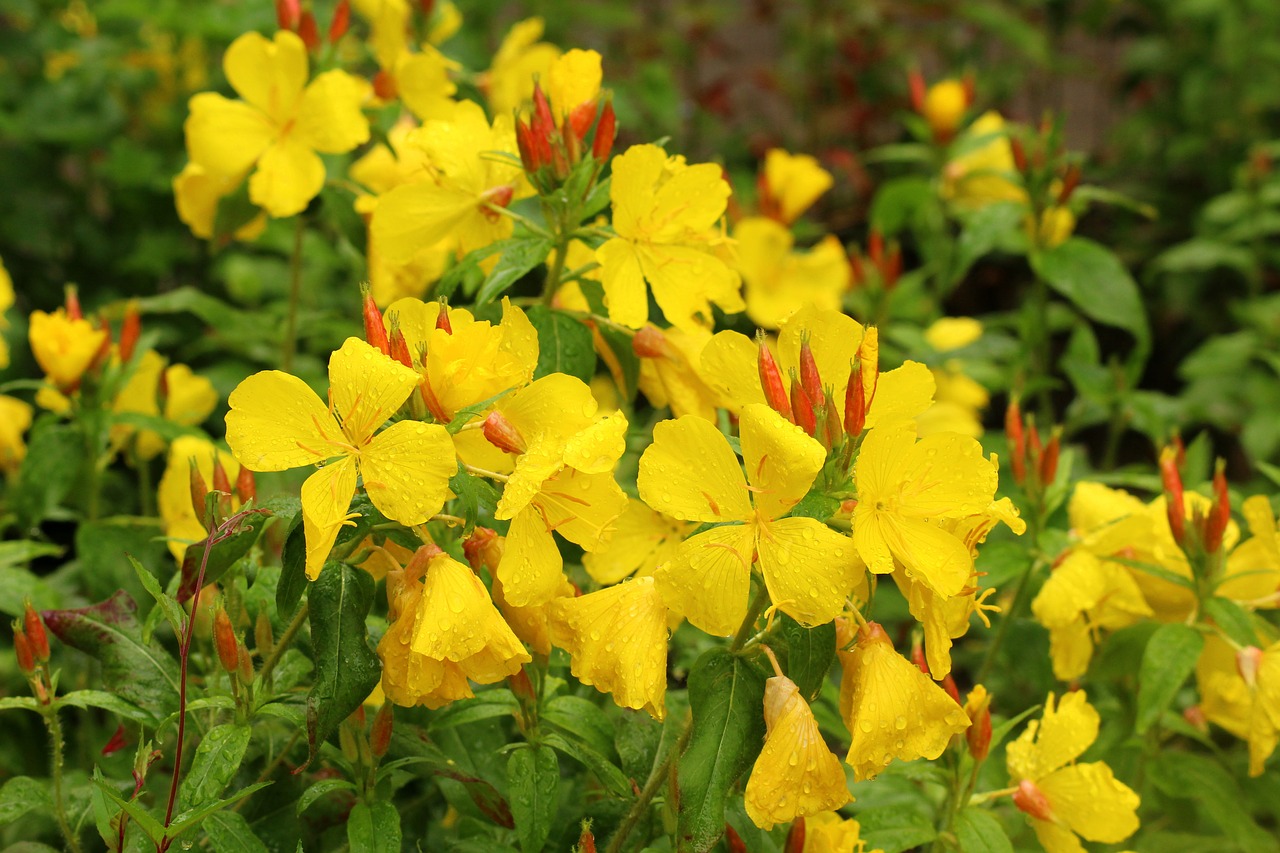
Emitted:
pixel 130 330
pixel 400 346
pixel 384 86
pixel 33 627
pixel 1049 459
pixel 809 376
pixel 22 650
pixel 1172 481
pixel 651 342
pixel 855 402
pixel 72 298
pixel 1019 154
pixel 944 107
pixel 775 391
pixel 483 549
pixel 892 266
pixel 442 317
pixel 875 248
pixel 1031 800
pixel 308 30
pixel 855 266
pixel 341 20
pixel 222 485
pixel 949 685
pixel 263 637
pixel 347 743
pixel 246 486
pixel 1220 516
pixel 246 665
pixel 832 430
pixel 733 841
pixel 116 743
pixel 795 836
pixel 1248 663
pixel 586 840
pixel 433 404
pixel 917 86
pixel 380 734
pixel 802 406
pixel 225 641
pixel 525 145
pixel 1015 435
pixel 978 735
pixel 503 434
pixel 288 14
pixel 521 686
pixel 199 494
pixel 606 131
pixel 1070 181
pixel 499 196
pixel 375 333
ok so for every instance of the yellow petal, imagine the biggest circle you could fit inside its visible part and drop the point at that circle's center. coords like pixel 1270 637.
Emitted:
pixel 423 83
pixel 572 80
pixel 226 137
pixel 690 472
pixel 834 340
pixel 730 366
pixel 596 449
pixel 406 470
pixel 901 394
pixel 686 281
pixel 367 388
pixel 277 422
pixel 795 180
pixel 1063 733
pixel 634 174
pixel 269 74
pixel 948 333
pixel 708 579
pixel 623 282
pixel 329 117
pixel 288 176
pixel 642 540
pixel 1071 649
pixel 809 568
pixel 531 567
pixel 781 460
pixel 326 496
pixel 1092 802
pixel 795 775
pixel 583 508
pixel 1075 585
pixel 416 215
pixel 928 553
pixel 617 641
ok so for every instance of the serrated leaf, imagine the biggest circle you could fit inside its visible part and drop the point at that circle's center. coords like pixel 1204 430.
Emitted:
pixel 217 759
pixel 726 697
pixel 223 553
pixel 808 654
pixel 1170 657
pixel 1091 277
pixel 374 827
pixel 520 256
pixel 347 668
pixel 564 344
pixel 141 673
pixel 533 786
pixel 979 830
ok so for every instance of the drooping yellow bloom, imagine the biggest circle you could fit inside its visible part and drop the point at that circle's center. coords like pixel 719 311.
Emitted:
pixel 518 61
pixel 280 125
pixel 1240 691
pixel 983 175
pixel 892 709
pixel 673 378
pixel 642 540
pixel 464 178
pixel 15 420
pixel 1064 799
pixel 457 622
pixel 276 422
pixel 1082 597
pixel 381 557
pixel 831 832
pixel 64 348
pixel 189 399
pixel 691 473
pixel 196 194
pixel 904 488
pixel 617 641
pixel 665 213
pixel 781 280
pixel 181 524
pixel 793 182
pixel 796 774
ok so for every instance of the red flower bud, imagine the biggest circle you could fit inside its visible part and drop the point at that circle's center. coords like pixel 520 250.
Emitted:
pixel 341 20
pixel 503 434
pixel 733 841
pixel 651 342
pixel 246 486
pixel 199 493
pixel 1031 800
pixel 521 686
pixel 949 685
pixel 1172 481
pixel 586 840
pixel 1016 436
pixel 809 376
pixel 875 248
pixel 33 627
pixel 978 735
pixel 226 641
pixel 308 30
pixel 581 118
pixel 892 266
pixel 1070 181
pixel 442 318
pixel 73 303
pixel 22 651
pixel 527 147
pixel 833 430
pixel 246 665
pixel 288 14
pixel 130 330
pixel 795 836
pixel 380 735
pixel 483 549
pixel 1049 459
pixel 1019 154
pixel 855 402
pixel 606 131
pixel 918 658
pixel 1220 516
pixel 918 87
pixel 384 86
pixel 970 89
pixel 400 349
pixel 775 390
pixel 802 406
pixel 375 332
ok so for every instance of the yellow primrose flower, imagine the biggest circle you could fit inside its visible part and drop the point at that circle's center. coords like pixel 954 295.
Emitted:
pixel 791 183
pixel 691 473
pixel 276 422
pixel 665 213
pixel 457 622
pixel 189 400
pixel 196 193
pixel 181 524
pixel 1062 798
pixel 986 174
pixel 832 832
pixel 671 376
pixel 948 333
pixel 780 280
pixel 464 179
pixel 944 106
pixel 573 80
pixel 518 61
pixel 381 558
pixel 1240 691
pixel 410 678
pixel 1056 224
pixel 64 348
pixel 1083 597
pixel 1252 573
pixel 642 540
pixel 6 302
pixel 280 125
pixel 905 487
pixel 796 774
pixel 958 405
pixel 617 641
pixel 892 709
pixel 15 419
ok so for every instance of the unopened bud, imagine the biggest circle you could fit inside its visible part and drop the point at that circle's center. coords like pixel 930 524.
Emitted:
pixel 1172 482
pixel 384 85
pixel 1196 717
pixel 918 658
pixel 347 743
pixel 733 841
pixel 775 390
pixel 855 265
pixel 1031 800
pixel 246 486
pixel 586 840
pixel 375 332
pixel 199 494
pixel 802 406
pixel 442 318
pixel 606 131
pixel 71 295
pixel 1248 663
pixel 116 742
pixel 978 735
pixel 521 686
pixel 222 485
pixel 400 347
pixel 810 378
pixel 246 665
pixel 892 266
pixel 1220 515
pixel 1049 458
pixel 1016 436
pixel 832 429
pixel 130 331
pixel 380 734
pixel 525 145
pixel 502 434
pixel 875 247
pixel 341 20
pixel 1019 154
pixel 949 685
pixel 288 14
pixel 855 402
pixel 499 196
pixel 226 642
pixel 308 30
pixel 33 627
pixel 1070 181
pixel 795 836
pixel 263 637
pixel 918 88
pixel 22 650
pixel 651 342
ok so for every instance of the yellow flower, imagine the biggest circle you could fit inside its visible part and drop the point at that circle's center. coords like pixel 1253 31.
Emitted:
pixel 673 377
pixel 1062 798
pixel 904 488
pixel 381 558
pixel 573 80
pixel 983 175
pixel 665 214
pixel 280 125
pixel 944 106
pixel 642 541
pixel 1240 691
pixel 691 473
pixel 1056 224
pixel 518 61
pixel 181 525
pixel 276 422
pixel 792 183
pixel 948 333
pixel 892 709
pixel 780 280
pixel 15 419
pixel 457 622
pixel 196 193
pixel 617 641
pixel 6 302
pixel 831 832
pixel 64 348
pixel 189 400
pixel 796 775
pixel 1252 573
pixel 1083 597
pixel 463 179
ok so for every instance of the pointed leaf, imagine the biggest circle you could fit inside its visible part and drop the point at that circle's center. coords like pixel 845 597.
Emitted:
pixel 564 344
pixel 808 654
pixel 519 258
pixel 374 828
pixel 533 783
pixel 217 759
pixel 223 554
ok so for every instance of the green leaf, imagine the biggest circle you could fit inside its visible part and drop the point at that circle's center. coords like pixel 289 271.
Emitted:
pixel 23 794
pixel 581 719
pixel 223 553
pixel 229 832
pixel 374 828
pixel 107 702
pixel 894 830
pixel 50 469
pixel 1170 656
pixel 564 344
pixel 321 789
pixel 185 820
pixel 27 703
pixel 293 570
pixel 216 761
pixel 1095 281
pixel 604 769
pixel 146 822
pixel 533 786
pixel 726 697
pixel 1186 776
pixel 808 654
pixel 979 830
pixel 486 706
pixel 142 673
pixel 520 257
pixel 984 231
pixel 896 201
pixel 347 669
pixel 172 611
pixel 1232 619
pixel 474 494
pixel 22 552
pixel 816 505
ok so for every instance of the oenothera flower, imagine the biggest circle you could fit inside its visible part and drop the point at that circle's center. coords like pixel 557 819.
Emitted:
pixel 419 78
pixel 64 348
pixel 1062 798
pixel 905 487
pixel 15 419
pixel 280 125
pixel 617 641
pixel 188 400
pixel 276 422
pixel 832 832
pixel 573 80
pixel 665 213
pixel 196 194
pixel 181 524
pixel 892 709
pixel 466 178
pixel 6 302
pixel 691 473
pixel 779 280
pixel 796 774
pixel 410 678
pixel 790 184
pixel 518 61
pixel 985 174
pixel 1240 691
pixel 642 540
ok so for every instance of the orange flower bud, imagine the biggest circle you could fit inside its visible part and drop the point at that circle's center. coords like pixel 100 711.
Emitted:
pixel 949 685
pixel 1070 181
pixel 892 266
pixel 978 735
pixel 775 392
pixel 375 333
pixel 22 650
pixel 116 743
pixel 1016 436
pixel 130 330
pixel 875 248
pixel 384 86
pixel 72 297
pixel 33 627
pixel 1172 481
pixel 246 486
pixel 1019 154
pixel 855 264
pixel 521 686
pixel 832 430
pixel 733 841
pixel 917 86
pixel 606 131
pixel 795 836
pixel 1195 716
pixel 918 658
pixel 246 666
pixel 221 482
pixel 499 196
pixel 1049 459
pixel 380 734
pixel 1220 516
pixel 802 406
pixel 527 147
pixel 483 549
pixel 809 376
pixel 225 641
pixel 288 14
pixel 581 118
pixel 503 434
pixel 1031 800
pixel 341 20
pixel 442 318
pixel 400 347
pixel 855 402
pixel 434 406
pixel 308 30
pixel 587 840
pixel 651 342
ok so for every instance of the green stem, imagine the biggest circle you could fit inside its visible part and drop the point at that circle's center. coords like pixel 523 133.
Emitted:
pixel 283 643
pixel 1038 340
pixel 754 610
pixel 1019 595
pixel 59 810
pixel 290 344
pixel 553 275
